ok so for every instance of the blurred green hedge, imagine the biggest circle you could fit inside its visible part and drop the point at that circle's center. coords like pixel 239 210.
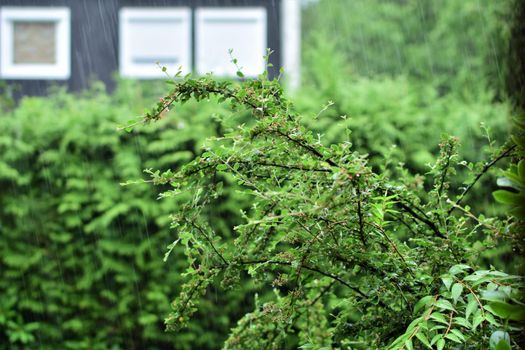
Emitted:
pixel 399 74
pixel 80 256
pixel 458 46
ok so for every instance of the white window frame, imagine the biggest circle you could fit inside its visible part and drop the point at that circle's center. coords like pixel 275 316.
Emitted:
pixel 54 71
pixel 130 69
pixel 202 14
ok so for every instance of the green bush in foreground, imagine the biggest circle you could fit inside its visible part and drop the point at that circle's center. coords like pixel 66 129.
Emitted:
pixel 356 258
pixel 80 258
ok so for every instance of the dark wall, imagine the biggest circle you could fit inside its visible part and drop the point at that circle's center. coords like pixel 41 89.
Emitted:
pixel 94 37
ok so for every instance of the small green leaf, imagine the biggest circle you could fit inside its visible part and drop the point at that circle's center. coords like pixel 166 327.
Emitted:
pixel 436 338
pixel 240 74
pixel 445 304
pixel 454 270
pixel 458 334
pixel 414 323
pixel 457 289
pixel 453 337
pixel 222 167
pixel 423 339
pixel 471 307
pixel 440 344
pixel 439 317
pixel 437 327
pixel 462 322
pixel 422 303
pixel 489 317
pixel 477 319
pixel 447 281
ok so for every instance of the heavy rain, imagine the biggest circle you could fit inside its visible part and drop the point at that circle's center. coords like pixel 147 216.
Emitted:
pixel 262 174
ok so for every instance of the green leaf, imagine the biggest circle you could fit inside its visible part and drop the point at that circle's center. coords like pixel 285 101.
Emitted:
pixel 437 327
pixel 240 74
pixel 471 307
pixel 445 304
pixel 222 167
pixel 515 312
pixel 477 319
pixel 462 322
pixel 447 281
pixel 454 270
pixel 423 339
pixel 436 338
pixel 170 249
pixel 414 323
pixel 458 334
pixel 454 338
pixel 423 302
pixel 503 345
pixel 440 344
pixel 439 317
pixel 507 197
pixel 494 295
pixel 457 289
pixel 499 340
pixel 490 318
pixel 521 169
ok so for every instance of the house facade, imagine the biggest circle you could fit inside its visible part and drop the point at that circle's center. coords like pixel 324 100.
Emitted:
pixel 73 42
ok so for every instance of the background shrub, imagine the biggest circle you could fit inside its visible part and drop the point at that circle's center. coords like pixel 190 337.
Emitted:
pixel 80 256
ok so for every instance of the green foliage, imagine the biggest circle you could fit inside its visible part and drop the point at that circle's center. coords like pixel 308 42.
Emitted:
pixel 397 115
pixel 6 97
pixel 453 45
pixel 80 256
pixel 397 118
pixel 467 302
pixel 512 186
pixel 346 249
pixel 515 61
pixel 514 194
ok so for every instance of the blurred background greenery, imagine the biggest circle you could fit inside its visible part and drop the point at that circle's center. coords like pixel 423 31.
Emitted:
pixel 81 257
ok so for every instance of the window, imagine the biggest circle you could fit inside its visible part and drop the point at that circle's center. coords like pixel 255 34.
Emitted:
pixel 150 35
pixel 220 29
pixel 34 43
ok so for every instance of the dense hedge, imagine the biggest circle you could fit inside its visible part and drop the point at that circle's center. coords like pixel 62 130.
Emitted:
pixel 454 45
pixel 80 256
pixel 402 73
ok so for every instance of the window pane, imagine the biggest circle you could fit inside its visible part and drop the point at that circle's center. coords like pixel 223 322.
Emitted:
pixel 242 30
pixel 153 41
pixel 150 35
pixel 34 42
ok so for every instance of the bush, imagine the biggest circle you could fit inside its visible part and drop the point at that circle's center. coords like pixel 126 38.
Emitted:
pixel 356 258
pixel 81 257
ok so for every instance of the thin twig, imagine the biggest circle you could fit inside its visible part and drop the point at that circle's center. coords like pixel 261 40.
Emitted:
pixel 480 174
